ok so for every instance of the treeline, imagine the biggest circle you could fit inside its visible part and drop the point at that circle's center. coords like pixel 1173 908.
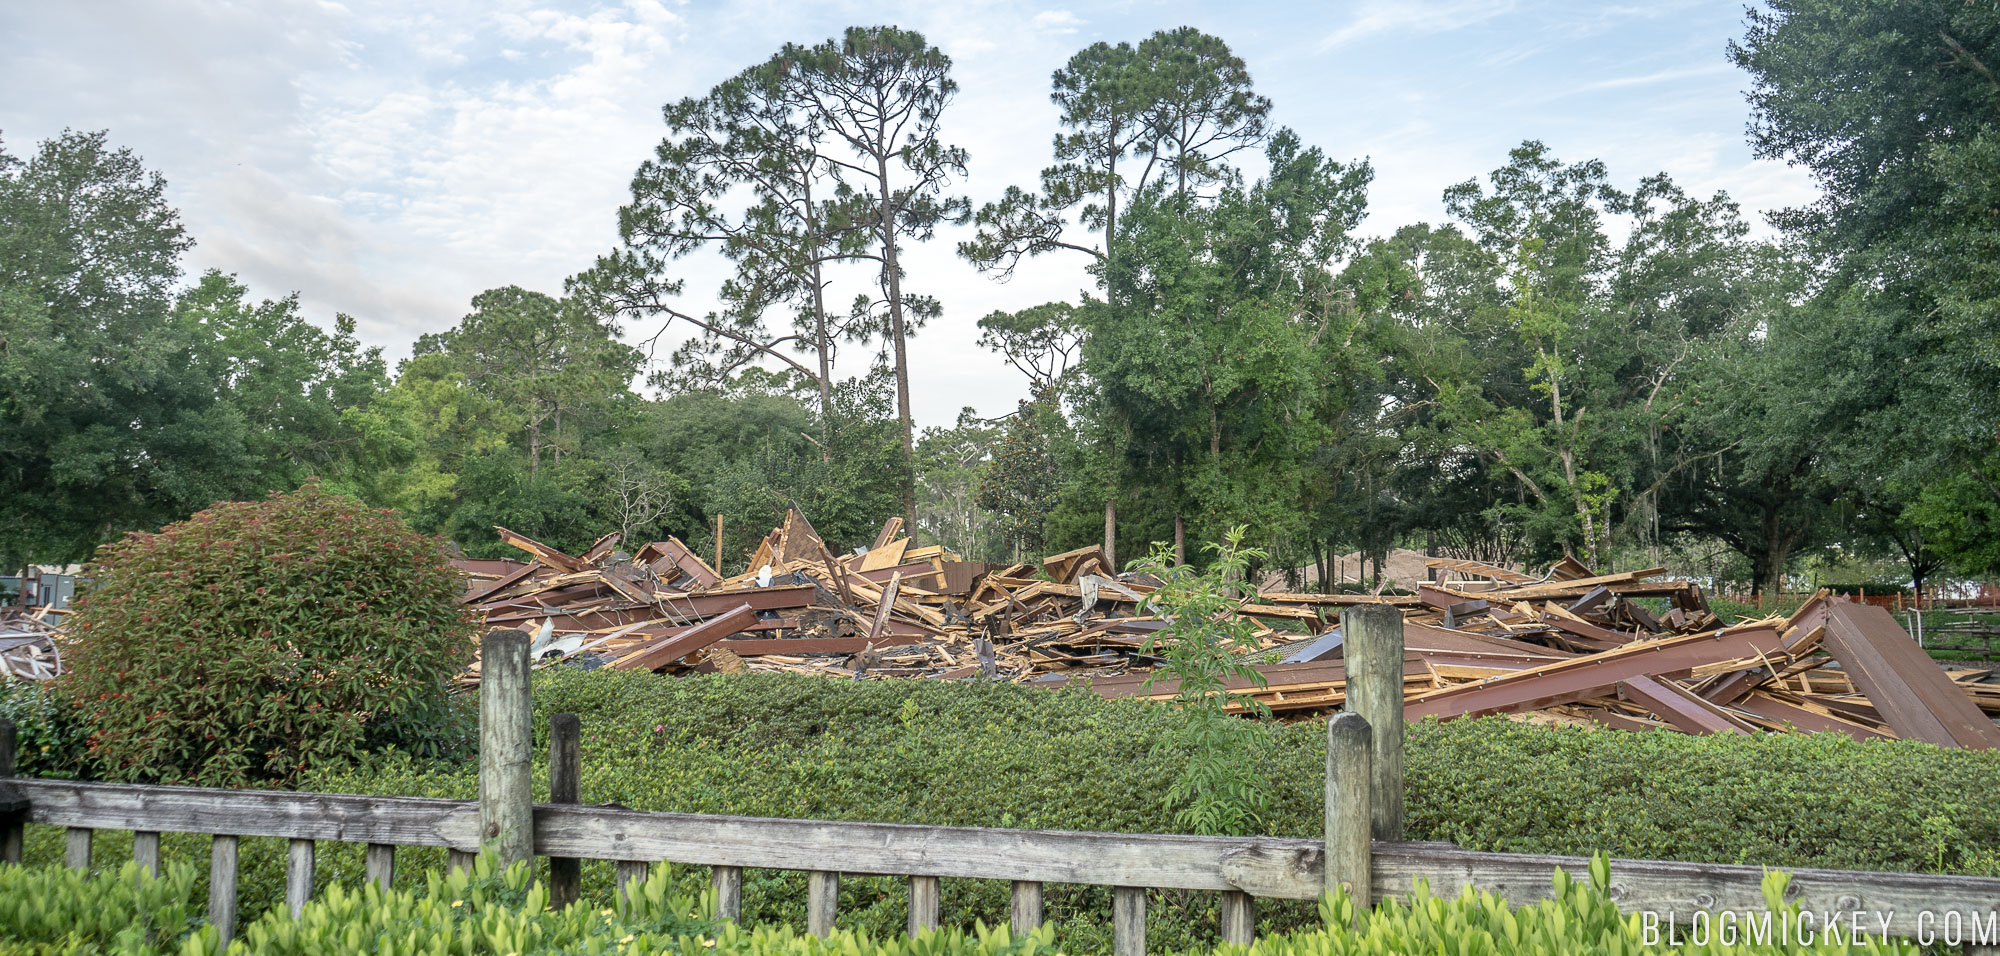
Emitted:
pixel 1570 364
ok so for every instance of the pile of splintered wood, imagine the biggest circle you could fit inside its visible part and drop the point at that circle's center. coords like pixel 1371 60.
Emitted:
pixel 28 648
pixel 1623 650
pixel 1573 647
pixel 888 610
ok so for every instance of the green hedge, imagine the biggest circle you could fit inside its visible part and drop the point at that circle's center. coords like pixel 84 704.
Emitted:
pixel 1010 756
pixel 49 911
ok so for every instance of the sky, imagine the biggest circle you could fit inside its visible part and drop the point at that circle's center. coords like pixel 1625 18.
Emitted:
pixel 390 160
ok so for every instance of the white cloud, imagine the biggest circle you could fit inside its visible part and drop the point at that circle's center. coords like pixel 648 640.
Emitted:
pixel 1414 16
pixel 1057 21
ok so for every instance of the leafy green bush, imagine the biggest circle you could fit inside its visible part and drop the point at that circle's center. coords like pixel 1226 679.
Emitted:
pixel 55 910
pixel 49 737
pixel 48 911
pixel 255 640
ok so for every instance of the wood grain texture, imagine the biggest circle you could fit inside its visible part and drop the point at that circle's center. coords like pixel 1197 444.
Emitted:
pixel 1288 869
pixel 146 850
pixel 630 872
pixel 343 818
pixel 1373 649
pixel 298 875
pixel 76 848
pixel 1682 889
pixel 565 786
pixel 1128 921
pixel 458 860
pixel 506 742
pixel 12 826
pixel 1349 820
pixel 222 871
pixel 728 892
pixel 1239 918
pixel 1262 866
pixel 923 904
pixel 1025 913
pixel 379 865
pixel 822 898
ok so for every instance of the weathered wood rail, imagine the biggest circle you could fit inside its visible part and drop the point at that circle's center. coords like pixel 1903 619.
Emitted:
pixel 1352 852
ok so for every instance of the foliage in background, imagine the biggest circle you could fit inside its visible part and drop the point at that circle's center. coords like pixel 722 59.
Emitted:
pixel 256 640
pixel 50 738
pixel 1201 650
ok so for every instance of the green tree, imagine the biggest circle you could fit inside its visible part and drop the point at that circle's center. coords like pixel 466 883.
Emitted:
pixel 1178 105
pixel 108 419
pixel 754 133
pixel 539 358
pixel 1204 646
pixel 881 93
pixel 297 386
pixel 1892 107
pixel 1208 363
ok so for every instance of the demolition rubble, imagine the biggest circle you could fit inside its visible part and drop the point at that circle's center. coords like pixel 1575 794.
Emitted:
pixel 1621 650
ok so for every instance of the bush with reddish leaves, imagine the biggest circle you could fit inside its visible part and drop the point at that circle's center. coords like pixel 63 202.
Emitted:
pixel 256 640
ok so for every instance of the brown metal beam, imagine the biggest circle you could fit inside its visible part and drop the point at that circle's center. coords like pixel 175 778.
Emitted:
pixel 657 654
pixel 1904 683
pixel 1592 676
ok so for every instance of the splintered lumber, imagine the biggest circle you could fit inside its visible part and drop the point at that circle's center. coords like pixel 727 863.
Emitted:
pixel 657 654
pixel 1569 646
pixel 542 552
pixel 1482 570
pixel 1914 695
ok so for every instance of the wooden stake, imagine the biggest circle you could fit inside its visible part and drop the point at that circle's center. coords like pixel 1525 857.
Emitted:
pixel 506 734
pixel 565 786
pixel 1349 855
pixel 718 545
pixel 1374 653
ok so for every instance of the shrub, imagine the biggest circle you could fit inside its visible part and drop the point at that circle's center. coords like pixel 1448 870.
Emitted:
pixel 485 910
pixel 60 910
pixel 48 736
pixel 257 639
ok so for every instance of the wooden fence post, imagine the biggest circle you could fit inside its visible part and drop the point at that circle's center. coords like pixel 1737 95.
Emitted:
pixel 565 786
pixel 1025 915
pixel 923 904
pixel 822 897
pixel 1128 921
pixel 299 875
pixel 728 892
pixel 222 887
pixel 1349 857
pixel 12 825
pixel 378 865
pixel 506 735
pixel 1374 652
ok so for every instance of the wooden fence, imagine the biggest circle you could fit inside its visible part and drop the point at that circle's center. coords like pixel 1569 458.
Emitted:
pixel 1241 868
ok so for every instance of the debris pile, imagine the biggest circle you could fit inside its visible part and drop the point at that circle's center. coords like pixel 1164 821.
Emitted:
pixel 1622 650
pixel 28 643
pixel 888 610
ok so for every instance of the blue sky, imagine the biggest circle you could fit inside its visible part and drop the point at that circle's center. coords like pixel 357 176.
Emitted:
pixel 390 160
